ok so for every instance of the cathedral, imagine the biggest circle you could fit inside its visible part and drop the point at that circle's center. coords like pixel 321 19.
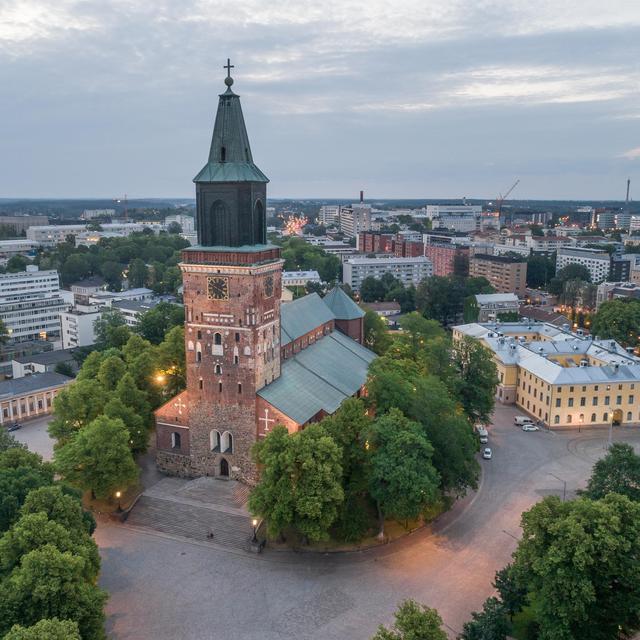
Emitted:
pixel 251 362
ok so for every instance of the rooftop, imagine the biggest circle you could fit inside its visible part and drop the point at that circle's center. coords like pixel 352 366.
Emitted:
pixel 31 384
pixel 47 357
pixel 502 259
pixel 342 306
pixel 493 298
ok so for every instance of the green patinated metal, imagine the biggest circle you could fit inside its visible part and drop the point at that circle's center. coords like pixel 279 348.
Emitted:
pixel 342 306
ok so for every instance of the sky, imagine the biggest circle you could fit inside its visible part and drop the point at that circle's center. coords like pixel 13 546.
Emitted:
pixel 402 98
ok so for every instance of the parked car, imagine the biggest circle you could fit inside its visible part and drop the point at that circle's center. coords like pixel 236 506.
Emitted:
pixel 520 420
pixel 486 454
pixel 14 427
pixel 484 439
pixel 530 427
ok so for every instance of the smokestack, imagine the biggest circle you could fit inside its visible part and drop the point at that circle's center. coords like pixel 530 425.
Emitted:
pixel 628 185
pixel 362 195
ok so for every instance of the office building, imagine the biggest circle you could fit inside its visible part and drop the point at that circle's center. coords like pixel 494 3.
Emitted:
pixel 492 305
pixel 505 274
pixel 92 214
pixel 355 219
pixel 78 328
pixel 299 278
pixel 17 225
pixel 53 234
pixel 563 379
pixel 597 261
pixel 187 223
pixel 329 215
pixel 30 304
pixel 410 271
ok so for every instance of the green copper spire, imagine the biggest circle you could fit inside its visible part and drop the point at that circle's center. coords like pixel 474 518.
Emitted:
pixel 230 157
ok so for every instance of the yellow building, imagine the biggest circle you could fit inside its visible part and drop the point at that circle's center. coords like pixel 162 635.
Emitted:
pixel 561 378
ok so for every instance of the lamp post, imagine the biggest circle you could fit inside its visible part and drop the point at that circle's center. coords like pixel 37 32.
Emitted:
pixel 254 523
pixel 118 496
pixel 610 432
pixel 564 485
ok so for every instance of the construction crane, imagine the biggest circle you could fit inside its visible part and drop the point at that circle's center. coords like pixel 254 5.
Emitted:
pixel 126 209
pixel 501 198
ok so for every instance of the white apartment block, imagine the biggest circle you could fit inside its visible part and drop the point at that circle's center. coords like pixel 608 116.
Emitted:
pixel 53 234
pixel 410 271
pixel 30 304
pixel 78 328
pixel 598 262
pixel 355 219
pixel 462 222
pixel 90 214
pixel 299 278
pixel 438 210
pixel 329 214
pixel 187 223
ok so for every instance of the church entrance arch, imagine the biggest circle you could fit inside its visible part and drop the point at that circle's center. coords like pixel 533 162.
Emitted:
pixel 224 468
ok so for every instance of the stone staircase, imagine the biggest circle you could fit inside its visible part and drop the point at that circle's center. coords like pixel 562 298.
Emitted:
pixel 194 509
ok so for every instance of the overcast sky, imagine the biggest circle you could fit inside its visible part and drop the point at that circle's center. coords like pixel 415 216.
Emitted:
pixel 402 98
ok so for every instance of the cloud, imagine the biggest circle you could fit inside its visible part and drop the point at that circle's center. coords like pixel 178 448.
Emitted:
pixel 632 154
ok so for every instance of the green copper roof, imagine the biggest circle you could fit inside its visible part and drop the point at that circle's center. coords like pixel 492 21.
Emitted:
pixel 319 377
pixel 343 307
pixel 301 316
pixel 230 158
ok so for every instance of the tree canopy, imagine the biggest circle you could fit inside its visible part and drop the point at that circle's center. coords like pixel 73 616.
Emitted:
pixel 413 621
pixel 618 472
pixel 618 320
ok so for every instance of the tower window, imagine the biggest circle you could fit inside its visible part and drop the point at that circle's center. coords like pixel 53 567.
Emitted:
pixel 223 154
pixel 220 387
pixel 239 387
pixel 201 383
pixel 217 338
pixel 236 359
pixel 237 337
pixel 199 334
pixel 175 440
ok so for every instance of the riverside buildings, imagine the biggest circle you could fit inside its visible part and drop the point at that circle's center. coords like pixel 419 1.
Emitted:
pixel 561 378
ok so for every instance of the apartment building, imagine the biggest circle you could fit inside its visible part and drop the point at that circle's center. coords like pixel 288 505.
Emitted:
pixel 410 271
pixel 443 257
pixel 491 305
pixel 53 234
pixel 78 328
pixel 299 278
pixel 329 215
pixel 505 274
pixel 561 378
pixel 597 261
pixel 30 304
pixel 355 219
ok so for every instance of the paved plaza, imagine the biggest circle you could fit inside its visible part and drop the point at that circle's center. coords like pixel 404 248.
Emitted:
pixel 166 587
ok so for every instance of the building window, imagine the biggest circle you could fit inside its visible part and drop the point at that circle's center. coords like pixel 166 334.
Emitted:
pixel 570 389
pixel 593 417
pixel 220 387
pixel 569 418
pixel 200 383
pixel 605 417
pixel 217 339
pixel 239 387
pixel 556 419
pixel 236 359
pixel 629 417
pixel 214 440
pixel 595 402
pixel 217 369
pixel 606 400
pixel 618 399
pixel 571 402
pixel 198 356
pixel 227 442
pixel 558 402
pixel 175 440
pixel 237 337
pixel 630 399
pixel 583 402
pixel 199 334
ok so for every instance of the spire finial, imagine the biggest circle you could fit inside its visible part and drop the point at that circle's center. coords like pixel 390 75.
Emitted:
pixel 228 80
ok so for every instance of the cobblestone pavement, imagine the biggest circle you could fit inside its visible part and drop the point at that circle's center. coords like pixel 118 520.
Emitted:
pixel 166 588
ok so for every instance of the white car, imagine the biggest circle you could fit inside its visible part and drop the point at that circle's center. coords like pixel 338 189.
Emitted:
pixel 484 439
pixel 486 454
pixel 530 427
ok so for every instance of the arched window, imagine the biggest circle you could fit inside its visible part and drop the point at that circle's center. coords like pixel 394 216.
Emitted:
pixel 175 440
pixel 217 338
pixel 569 419
pixel 198 352
pixel 259 217
pixel 201 383
pixel 214 440
pixel 605 417
pixel 218 369
pixel 593 417
pixel 227 442
pixel 556 420
pixel 629 416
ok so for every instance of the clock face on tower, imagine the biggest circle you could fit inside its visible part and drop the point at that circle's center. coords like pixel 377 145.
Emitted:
pixel 217 288
pixel 268 286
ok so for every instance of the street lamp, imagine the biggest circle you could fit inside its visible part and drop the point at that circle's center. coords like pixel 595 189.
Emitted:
pixel 118 496
pixel 254 522
pixel 564 485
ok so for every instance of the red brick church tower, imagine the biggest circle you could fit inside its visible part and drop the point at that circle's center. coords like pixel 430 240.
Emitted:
pixel 232 288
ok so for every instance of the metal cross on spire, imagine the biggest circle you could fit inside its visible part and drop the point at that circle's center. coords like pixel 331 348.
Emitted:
pixel 228 67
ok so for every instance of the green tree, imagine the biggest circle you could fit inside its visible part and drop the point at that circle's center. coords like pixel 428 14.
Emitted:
pixel 413 621
pixel 376 335
pixel 477 378
pixel 7 441
pixel 589 549
pixel 618 320
pixel 48 584
pixel 59 506
pixel 174 227
pixel 402 479
pixel 138 273
pixel 417 331
pixel 75 268
pixel 47 629
pixel 171 360
pixel 17 263
pixel 98 458
pixel 155 323
pixel 372 289
pixel 65 369
pixel 34 531
pixel 111 330
pixel 300 482
pixel 112 273
pixel 110 373
pixel 489 624
pixel 134 422
pixel 617 472
pixel 348 427
pixel 540 269
pixel 513 592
